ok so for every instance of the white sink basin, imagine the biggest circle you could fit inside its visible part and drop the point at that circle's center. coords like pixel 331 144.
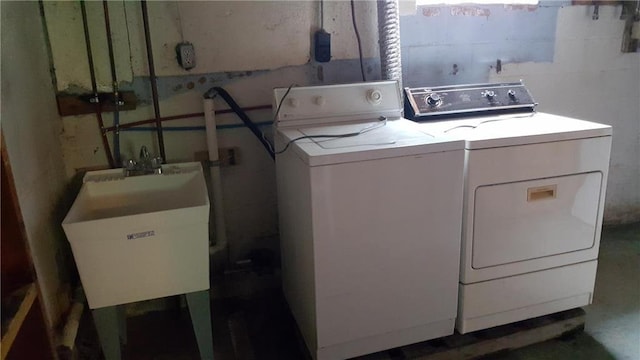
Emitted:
pixel 140 237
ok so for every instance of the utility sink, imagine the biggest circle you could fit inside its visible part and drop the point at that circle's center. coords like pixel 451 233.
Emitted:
pixel 140 237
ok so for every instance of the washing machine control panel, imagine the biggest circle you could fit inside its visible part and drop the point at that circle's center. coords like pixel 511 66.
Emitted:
pixel 425 103
pixel 308 105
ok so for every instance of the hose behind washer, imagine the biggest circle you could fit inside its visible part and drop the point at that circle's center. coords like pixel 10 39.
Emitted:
pixel 211 93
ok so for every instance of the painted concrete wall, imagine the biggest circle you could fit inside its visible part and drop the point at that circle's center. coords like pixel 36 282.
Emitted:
pixel 228 36
pixel 250 48
pixel 590 79
pixel 571 64
pixel 31 128
pixel 460 44
pixel 246 47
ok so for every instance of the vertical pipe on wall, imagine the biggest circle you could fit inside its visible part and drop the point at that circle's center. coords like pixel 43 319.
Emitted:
pixel 389 38
pixel 94 86
pixel 215 188
pixel 152 78
pixel 114 79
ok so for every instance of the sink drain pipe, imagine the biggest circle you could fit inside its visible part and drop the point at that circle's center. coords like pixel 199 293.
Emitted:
pixel 389 39
pixel 215 189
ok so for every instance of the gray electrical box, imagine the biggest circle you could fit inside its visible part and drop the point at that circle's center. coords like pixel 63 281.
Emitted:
pixel 186 55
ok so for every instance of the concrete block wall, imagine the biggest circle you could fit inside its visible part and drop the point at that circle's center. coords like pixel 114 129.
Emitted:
pixel 246 47
pixel 571 63
pixel 589 78
pixel 461 44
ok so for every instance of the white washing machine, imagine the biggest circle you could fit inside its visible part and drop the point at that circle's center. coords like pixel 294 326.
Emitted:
pixel 370 219
pixel 533 201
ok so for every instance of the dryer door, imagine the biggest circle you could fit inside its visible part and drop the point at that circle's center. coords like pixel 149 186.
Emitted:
pixel 533 219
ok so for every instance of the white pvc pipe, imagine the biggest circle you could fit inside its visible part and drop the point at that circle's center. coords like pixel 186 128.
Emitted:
pixel 216 216
pixel 70 330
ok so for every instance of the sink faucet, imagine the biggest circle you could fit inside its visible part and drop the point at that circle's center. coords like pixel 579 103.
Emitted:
pixel 145 165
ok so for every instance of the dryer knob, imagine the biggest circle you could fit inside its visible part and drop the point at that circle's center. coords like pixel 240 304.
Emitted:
pixel 374 96
pixel 433 100
pixel 293 102
pixel 489 94
pixel 319 100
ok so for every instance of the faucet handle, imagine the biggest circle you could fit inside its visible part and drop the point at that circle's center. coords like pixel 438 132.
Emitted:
pixel 129 164
pixel 156 165
pixel 156 161
pixel 144 153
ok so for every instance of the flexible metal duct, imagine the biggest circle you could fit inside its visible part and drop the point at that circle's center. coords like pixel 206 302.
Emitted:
pixel 389 35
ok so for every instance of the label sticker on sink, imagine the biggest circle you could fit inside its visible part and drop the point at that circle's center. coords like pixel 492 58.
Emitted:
pixel 139 235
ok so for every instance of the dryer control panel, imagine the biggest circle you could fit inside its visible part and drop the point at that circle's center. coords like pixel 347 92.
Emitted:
pixel 427 103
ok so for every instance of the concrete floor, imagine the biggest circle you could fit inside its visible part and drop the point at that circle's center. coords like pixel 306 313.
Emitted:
pixel 612 329
pixel 251 324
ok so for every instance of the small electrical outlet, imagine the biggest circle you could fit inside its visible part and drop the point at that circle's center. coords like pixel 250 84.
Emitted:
pixel 186 54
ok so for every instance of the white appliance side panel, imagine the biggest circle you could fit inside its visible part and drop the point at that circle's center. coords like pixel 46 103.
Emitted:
pixel 387 244
pixel 523 163
pixel 502 301
pixel 296 242
pixel 532 219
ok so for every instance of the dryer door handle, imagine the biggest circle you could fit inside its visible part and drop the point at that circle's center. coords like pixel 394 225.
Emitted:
pixel 541 193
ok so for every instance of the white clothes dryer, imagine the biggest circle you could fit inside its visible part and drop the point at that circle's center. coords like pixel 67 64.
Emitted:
pixel 533 202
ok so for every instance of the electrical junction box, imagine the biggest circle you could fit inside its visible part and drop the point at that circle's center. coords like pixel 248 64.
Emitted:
pixel 322 44
pixel 186 55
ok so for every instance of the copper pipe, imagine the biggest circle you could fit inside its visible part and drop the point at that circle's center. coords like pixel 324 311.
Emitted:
pixel 184 116
pixel 249 108
pixel 154 120
pixel 152 78
pixel 94 87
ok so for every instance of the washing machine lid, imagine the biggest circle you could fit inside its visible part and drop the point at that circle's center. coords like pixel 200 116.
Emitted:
pixel 361 141
pixel 516 129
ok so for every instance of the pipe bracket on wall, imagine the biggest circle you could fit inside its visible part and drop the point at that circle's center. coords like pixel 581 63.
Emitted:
pixel 79 104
